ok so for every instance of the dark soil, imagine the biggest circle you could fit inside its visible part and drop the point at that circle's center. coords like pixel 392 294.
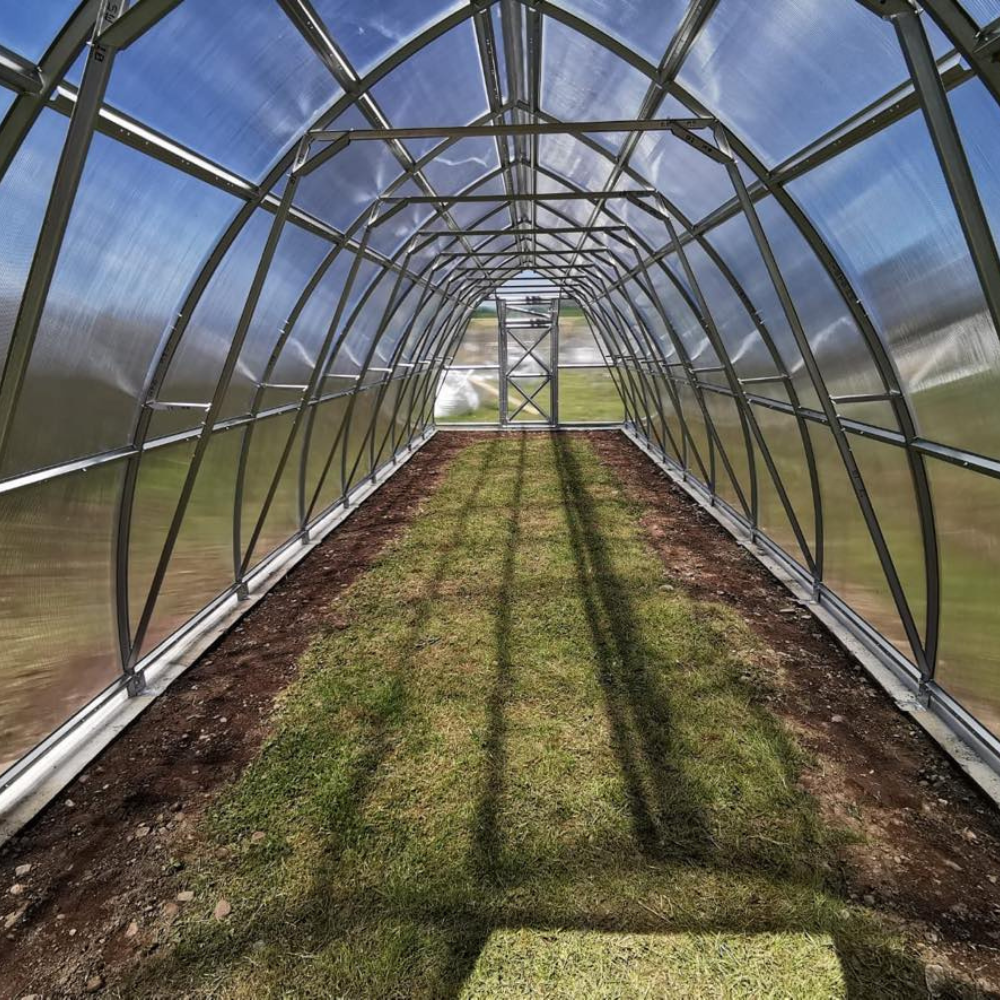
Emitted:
pixel 99 892
pixel 929 845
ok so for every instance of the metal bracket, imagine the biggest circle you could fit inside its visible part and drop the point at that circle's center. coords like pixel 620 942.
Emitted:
pixel 136 683
pixel 162 405
pixel 888 8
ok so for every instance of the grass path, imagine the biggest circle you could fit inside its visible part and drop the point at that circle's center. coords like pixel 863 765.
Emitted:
pixel 526 764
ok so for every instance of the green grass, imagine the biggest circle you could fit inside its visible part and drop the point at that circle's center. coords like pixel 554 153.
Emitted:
pixel 526 764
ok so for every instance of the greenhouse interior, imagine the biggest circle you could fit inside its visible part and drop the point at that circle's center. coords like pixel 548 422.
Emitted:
pixel 500 498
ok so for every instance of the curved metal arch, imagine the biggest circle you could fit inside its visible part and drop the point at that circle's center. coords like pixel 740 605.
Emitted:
pixel 746 416
pixel 945 12
pixel 925 648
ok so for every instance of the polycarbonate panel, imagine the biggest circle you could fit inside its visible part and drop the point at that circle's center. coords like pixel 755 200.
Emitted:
pixel 642 218
pixel 784 72
pixel 851 566
pixel 965 509
pixel 582 80
pixel 269 440
pixel 201 566
pixel 645 27
pixel 983 11
pixel 57 623
pixel 886 212
pixel 301 352
pixel 734 242
pixel 461 164
pixel 889 482
pixel 196 364
pixel 161 475
pixel 400 325
pixel 29 28
pixel 469 214
pixel 783 437
pixel 359 456
pixel 24 193
pixel 136 235
pixel 588 394
pixel 442 84
pixel 575 161
pixel 837 345
pixel 386 397
pixel 296 259
pixel 577 343
pixel 343 189
pixel 232 79
pixel 363 321
pixel 690 180
pixel 389 236
pixel 368 32
pixel 698 444
pixel 326 426
pixel 740 337
pixel 685 325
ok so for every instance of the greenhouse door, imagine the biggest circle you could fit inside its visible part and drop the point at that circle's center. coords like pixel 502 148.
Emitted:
pixel 529 360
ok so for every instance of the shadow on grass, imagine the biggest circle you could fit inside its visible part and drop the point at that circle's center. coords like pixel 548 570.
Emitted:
pixel 667 815
pixel 426 921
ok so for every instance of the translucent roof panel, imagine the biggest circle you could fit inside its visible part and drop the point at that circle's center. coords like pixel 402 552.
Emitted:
pixel 442 84
pixel 461 164
pixel 885 210
pixel 368 32
pixel 233 80
pixel 983 11
pixel 29 28
pixel 583 80
pixel 24 194
pixel 688 178
pixel 343 188
pixel 783 73
pixel 574 160
pixel 645 27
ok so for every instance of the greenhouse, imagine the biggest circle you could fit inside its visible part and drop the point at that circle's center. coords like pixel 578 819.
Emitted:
pixel 500 498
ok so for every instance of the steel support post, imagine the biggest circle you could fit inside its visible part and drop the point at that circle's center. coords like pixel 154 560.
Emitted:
pixel 747 419
pixel 203 439
pixel 840 439
pixel 239 563
pixel 324 365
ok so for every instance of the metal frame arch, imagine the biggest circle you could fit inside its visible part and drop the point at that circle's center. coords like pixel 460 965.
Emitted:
pixel 922 493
